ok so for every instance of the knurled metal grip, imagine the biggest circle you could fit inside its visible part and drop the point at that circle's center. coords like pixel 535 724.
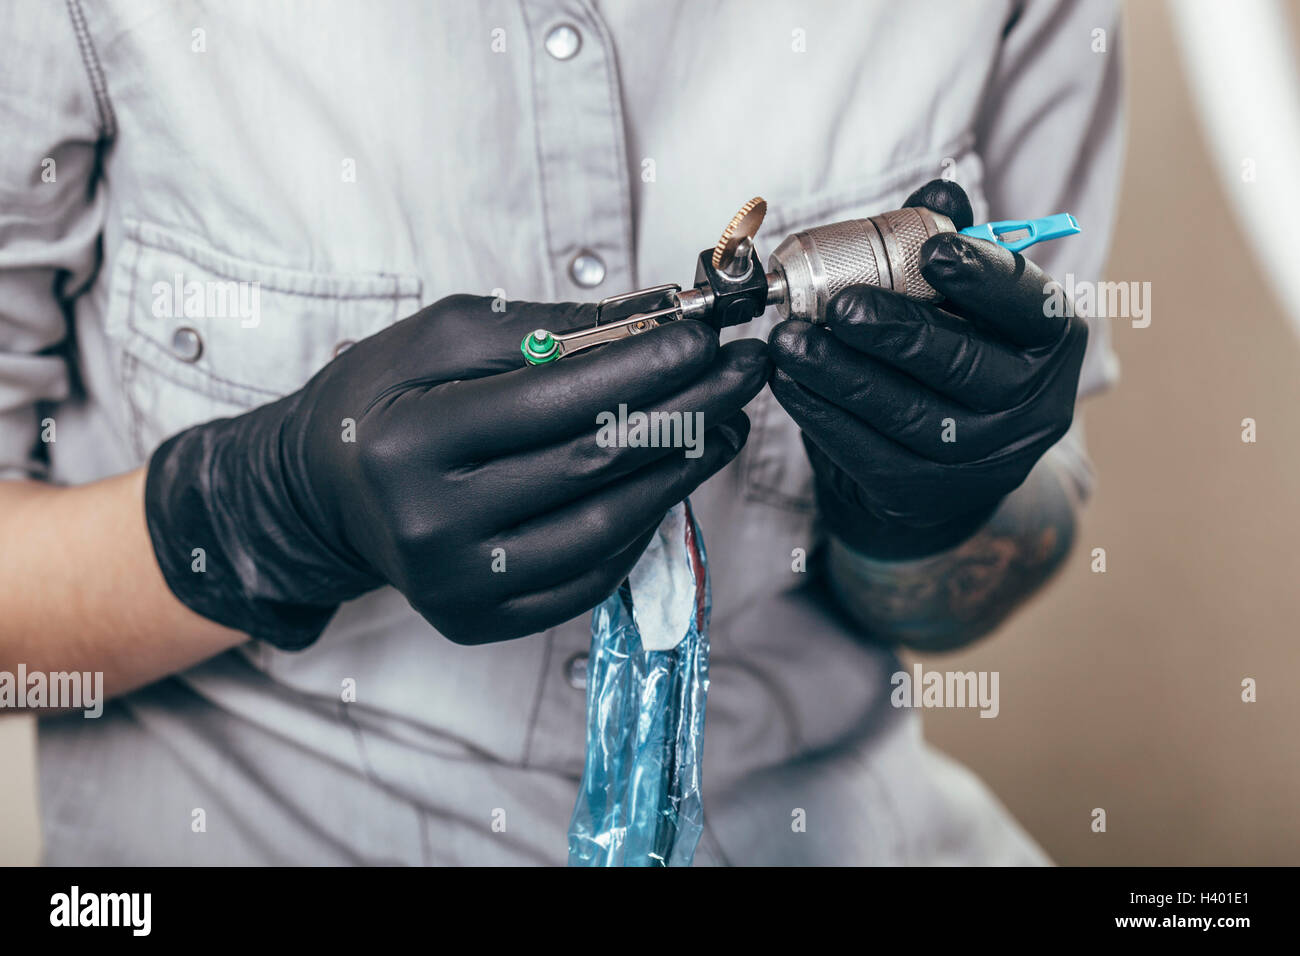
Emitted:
pixel 882 251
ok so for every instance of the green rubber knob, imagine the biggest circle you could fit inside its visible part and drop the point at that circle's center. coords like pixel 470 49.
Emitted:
pixel 539 347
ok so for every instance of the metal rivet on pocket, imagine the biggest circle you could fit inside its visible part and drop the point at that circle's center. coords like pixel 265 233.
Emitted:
pixel 575 669
pixel 187 344
pixel 343 347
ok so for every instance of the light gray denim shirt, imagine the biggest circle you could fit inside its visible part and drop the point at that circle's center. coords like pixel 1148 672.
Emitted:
pixel 356 161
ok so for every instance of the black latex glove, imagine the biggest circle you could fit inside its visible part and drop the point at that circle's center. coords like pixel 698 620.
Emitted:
pixel 872 389
pixel 459 449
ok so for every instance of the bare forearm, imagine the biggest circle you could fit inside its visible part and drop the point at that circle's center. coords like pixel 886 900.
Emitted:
pixel 80 589
pixel 950 599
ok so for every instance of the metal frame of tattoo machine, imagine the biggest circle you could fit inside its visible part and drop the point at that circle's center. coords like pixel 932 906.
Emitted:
pixel 804 272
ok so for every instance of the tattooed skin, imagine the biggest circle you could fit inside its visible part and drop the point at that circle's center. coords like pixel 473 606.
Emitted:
pixel 946 600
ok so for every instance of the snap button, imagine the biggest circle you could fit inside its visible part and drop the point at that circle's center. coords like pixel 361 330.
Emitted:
pixel 563 42
pixel 187 344
pixel 343 347
pixel 587 269
pixel 575 669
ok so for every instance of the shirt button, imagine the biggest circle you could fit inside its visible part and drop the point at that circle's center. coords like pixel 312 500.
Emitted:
pixel 587 269
pixel 343 347
pixel 575 669
pixel 563 42
pixel 186 344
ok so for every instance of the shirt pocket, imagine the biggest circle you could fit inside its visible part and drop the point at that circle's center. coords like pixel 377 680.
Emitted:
pixel 203 334
pixel 774 465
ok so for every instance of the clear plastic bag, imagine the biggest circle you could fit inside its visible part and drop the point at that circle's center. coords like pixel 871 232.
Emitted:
pixel 639 803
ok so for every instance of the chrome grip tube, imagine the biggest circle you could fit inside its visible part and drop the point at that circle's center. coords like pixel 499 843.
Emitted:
pixel 884 251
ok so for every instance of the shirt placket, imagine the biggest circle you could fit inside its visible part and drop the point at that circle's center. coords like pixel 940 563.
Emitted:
pixel 581 151
pixel 587 211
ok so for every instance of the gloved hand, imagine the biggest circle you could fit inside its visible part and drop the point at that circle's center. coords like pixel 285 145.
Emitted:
pixel 457 449
pixel 918 419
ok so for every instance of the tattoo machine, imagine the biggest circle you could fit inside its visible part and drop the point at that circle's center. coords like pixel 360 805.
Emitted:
pixel 804 272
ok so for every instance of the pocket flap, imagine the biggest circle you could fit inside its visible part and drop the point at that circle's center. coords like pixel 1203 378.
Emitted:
pixel 240 331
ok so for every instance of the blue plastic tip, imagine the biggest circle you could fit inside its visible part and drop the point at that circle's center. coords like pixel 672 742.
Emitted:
pixel 1018 234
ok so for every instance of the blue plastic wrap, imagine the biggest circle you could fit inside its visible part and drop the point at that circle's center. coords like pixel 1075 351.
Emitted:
pixel 639 802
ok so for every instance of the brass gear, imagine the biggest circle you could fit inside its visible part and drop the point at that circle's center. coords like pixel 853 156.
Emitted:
pixel 743 225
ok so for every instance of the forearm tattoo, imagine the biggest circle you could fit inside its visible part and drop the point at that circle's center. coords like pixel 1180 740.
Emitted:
pixel 946 600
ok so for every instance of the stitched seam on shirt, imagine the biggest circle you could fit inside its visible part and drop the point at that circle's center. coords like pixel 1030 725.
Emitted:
pixel 131 367
pixel 620 143
pixel 537 701
pixel 551 252
pixel 282 280
pixel 757 488
pixel 234 392
pixel 896 179
pixel 90 59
